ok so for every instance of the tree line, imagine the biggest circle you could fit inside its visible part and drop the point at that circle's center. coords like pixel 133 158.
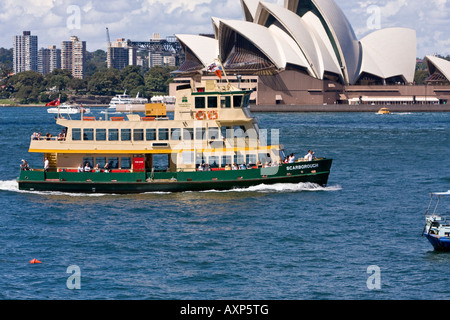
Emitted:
pixel 32 87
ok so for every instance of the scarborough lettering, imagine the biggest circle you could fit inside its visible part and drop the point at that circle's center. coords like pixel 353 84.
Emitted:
pixel 303 167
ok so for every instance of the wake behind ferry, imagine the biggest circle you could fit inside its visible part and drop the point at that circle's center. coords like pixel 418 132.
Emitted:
pixel 212 143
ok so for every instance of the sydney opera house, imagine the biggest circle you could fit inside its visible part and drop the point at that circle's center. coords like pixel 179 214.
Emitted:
pixel 306 52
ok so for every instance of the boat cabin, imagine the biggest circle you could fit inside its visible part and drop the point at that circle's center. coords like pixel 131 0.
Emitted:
pixel 211 129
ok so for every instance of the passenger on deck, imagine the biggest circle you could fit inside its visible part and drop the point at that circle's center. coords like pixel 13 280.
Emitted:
pixel 309 156
pixel 80 168
pixel 46 165
pixel 106 168
pixel 291 158
pixel 234 166
pixel 227 167
pixel 87 168
pixel 242 166
pixel 24 166
pixel 97 169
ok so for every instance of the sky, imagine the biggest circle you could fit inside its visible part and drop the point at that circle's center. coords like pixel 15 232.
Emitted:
pixel 54 21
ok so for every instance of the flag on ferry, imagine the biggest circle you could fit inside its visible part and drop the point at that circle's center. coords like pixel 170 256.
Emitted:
pixel 54 103
pixel 214 68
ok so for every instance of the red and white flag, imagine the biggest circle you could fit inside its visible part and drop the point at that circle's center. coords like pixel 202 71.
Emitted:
pixel 214 68
pixel 54 103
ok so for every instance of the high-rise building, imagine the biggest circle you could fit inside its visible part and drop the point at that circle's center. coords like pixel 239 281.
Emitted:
pixel 25 52
pixel 49 60
pixel 73 56
pixel 121 55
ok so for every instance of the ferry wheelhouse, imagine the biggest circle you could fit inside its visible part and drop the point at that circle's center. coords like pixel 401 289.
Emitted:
pixel 212 143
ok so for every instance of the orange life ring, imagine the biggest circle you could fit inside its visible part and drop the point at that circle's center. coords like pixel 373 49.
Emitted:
pixel 213 115
pixel 200 115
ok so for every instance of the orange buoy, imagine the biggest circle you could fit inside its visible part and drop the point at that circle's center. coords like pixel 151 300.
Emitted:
pixel 35 261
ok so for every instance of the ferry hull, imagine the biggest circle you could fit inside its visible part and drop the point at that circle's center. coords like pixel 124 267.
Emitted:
pixel 316 172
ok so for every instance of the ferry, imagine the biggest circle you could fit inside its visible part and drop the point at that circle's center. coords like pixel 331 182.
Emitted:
pixel 211 142
pixel 124 102
pixel 437 228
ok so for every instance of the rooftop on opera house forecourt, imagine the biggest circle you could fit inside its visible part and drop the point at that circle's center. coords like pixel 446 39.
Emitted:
pixel 304 56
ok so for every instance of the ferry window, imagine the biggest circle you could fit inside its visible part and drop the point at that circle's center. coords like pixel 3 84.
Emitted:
pixel 89 161
pixel 138 134
pixel 76 134
pixel 101 162
pixel 200 103
pixel 125 134
pixel 125 163
pixel 265 158
pixel 188 134
pixel 214 162
pixel 239 131
pixel 151 134
pixel 200 134
pixel 238 158
pixel 88 134
pixel 225 102
pixel 163 134
pixel 113 163
pixel 246 101
pixel 113 134
pixel 175 134
pixel 213 133
pixel 212 102
pixel 200 158
pixel 227 132
pixel 251 159
pixel 100 134
pixel 226 160
pixel 237 101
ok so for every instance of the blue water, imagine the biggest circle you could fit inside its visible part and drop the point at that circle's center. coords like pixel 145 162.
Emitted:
pixel 294 242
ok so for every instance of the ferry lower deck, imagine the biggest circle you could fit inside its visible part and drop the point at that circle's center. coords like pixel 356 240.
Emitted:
pixel 316 172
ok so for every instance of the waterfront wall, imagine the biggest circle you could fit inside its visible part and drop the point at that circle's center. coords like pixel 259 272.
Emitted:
pixel 351 108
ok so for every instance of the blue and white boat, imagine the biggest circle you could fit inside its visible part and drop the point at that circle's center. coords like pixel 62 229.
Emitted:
pixel 437 228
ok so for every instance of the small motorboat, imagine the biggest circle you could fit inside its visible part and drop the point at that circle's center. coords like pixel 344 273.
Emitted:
pixel 437 228
pixel 384 111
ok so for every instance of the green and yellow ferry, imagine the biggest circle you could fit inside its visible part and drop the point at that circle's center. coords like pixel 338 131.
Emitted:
pixel 212 143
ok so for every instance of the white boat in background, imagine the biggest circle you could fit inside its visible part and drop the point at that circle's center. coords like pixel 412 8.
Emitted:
pixel 68 109
pixel 126 100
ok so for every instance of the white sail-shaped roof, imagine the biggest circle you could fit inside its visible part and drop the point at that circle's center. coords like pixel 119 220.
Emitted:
pixel 328 57
pixel 341 34
pixel 297 29
pixel 390 53
pixel 260 36
pixel 249 7
pixel 440 64
pixel 206 49
pixel 312 34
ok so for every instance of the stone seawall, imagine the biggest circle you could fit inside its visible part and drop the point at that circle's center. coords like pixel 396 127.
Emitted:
pixel 351 108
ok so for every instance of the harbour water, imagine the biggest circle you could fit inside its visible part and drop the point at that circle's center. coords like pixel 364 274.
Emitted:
pixel 284 242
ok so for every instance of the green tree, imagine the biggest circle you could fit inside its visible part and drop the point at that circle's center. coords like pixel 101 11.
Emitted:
pixel 132 80
pixel 157 79
pixel 58 79
pixel 27 86
pixel 105 82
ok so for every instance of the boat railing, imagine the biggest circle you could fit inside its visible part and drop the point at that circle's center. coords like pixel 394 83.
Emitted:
pixel 49 138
